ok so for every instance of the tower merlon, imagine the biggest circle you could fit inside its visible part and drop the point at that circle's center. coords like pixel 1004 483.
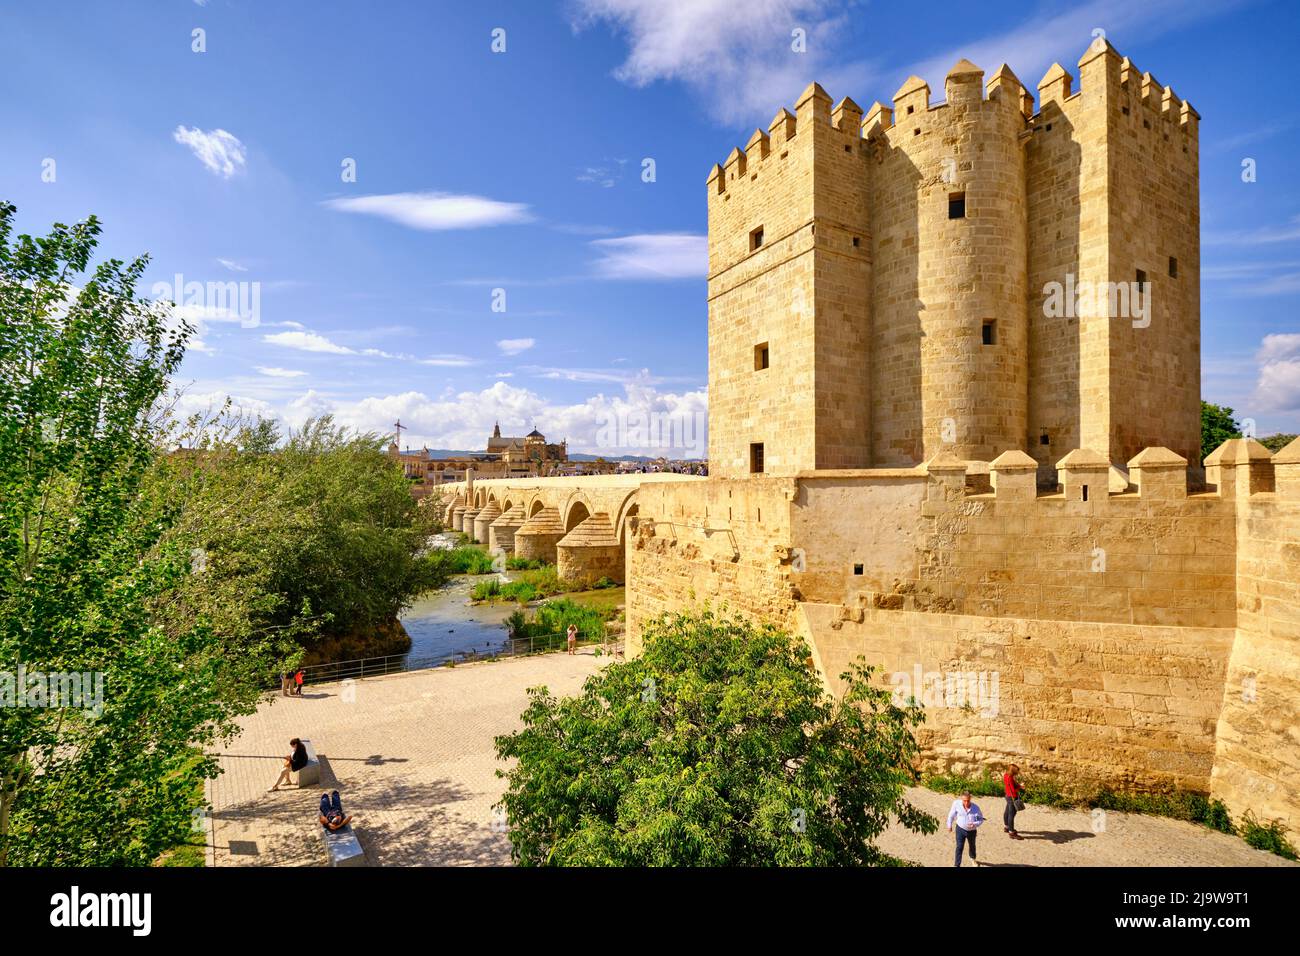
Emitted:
pixel 879 117
pixel 1099 47
pixel 964 82
pixel 1240 467
pixel 1286 471
pixel 813 105
pixel 1084 475
pixel 912 97
pixel 782 128
pixel 847 117
pixel 1013 475
pixel 1159 473
pixel 1055 85
pixel 758 147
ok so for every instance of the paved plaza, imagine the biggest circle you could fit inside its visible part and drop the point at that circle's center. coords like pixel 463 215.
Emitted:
pixel 412 757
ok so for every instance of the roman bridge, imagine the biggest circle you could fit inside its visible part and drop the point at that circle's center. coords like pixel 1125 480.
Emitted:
pixel 578 523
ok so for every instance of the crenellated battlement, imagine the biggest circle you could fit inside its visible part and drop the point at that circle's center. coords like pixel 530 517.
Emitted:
pixel 1138 95
pixel 1240 468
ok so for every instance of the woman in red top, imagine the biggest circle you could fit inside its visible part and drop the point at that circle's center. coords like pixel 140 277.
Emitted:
pixel 1011 786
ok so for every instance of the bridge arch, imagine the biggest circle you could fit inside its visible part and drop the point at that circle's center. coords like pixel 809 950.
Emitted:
pixel 536 506
pixel 576 512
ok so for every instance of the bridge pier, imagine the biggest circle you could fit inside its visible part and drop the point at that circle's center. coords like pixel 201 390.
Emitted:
pixel 501 534
pixel 538 536
pixel 491 511
pixel 590 552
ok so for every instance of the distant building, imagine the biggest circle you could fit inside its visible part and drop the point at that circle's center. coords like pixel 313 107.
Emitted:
pixel 506 456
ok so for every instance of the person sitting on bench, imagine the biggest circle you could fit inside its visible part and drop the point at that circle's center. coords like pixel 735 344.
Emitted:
pixel 293 763
pixel 331 812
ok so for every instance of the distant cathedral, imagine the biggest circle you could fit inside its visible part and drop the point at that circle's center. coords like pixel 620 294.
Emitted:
pixel 532 448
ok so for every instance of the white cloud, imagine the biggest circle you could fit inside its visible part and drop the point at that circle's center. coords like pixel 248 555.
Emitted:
pixel 666 255
pixel 1262 236
pixel 447 361
pixel 1278 386
pixel 307 342
pixel 435 211
pixel 741 62
pixel 515 346
pixel 465 419
pixel 232 265
pixel 219 151
pixel 280 372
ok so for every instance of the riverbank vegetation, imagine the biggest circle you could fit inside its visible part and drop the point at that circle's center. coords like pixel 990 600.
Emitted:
pixel 158 570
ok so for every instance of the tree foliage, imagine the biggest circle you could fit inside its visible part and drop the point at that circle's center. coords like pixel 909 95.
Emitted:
pixel 82 560
pixel 716 747
pixel 1217 426
pixel 317 530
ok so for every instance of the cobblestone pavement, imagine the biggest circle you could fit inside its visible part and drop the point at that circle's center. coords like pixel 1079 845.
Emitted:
pixel 412 757
pixel 1067 838
pixel 410 754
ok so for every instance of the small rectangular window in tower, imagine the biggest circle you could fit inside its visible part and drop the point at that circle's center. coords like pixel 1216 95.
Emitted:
pixel 760 357
pixel 910 110
pixel 855 242
pixel 857 569
pixel 755 238
pixel 1044 440
pixel 756 458
pixel 989 332
pixel 956 205
pixel 1141 279
pixel 1173 268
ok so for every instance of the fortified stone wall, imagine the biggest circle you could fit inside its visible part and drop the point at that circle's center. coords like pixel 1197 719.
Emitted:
pixel 1123 628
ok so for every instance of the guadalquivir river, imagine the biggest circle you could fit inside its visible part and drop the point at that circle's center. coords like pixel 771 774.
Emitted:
pixel 443 624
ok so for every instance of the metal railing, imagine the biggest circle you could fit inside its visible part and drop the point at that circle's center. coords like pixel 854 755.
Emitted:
pixel 398 663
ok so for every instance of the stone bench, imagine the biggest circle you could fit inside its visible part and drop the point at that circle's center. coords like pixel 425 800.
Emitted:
pixel 342 847
pixel 310 774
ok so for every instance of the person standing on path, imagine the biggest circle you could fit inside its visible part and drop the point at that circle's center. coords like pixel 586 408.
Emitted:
pixel 298 677
pixel 1015 801
pixel 573 639
pixel 966 813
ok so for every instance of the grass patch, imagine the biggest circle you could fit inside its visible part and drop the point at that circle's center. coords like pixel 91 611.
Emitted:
pixel 193 849
pixel 468 559
pixel 528 586
pixel 1270 837
pixel 548 626
pixel 606 599
pixel 524 564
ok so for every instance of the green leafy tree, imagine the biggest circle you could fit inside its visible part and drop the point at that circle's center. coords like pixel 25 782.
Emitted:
pixel 317 531
pixel 716 747
pixel 83 364
pixel 1275 443
pixel 1217 426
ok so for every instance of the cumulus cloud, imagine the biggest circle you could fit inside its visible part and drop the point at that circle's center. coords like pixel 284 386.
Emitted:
pixel 274 372
pixel 741 62
pixel 433 211
pixel 641 420
pixel 515 346
pixel 219 151
pixel 307 342
pixel 668 255
pixel 1278 386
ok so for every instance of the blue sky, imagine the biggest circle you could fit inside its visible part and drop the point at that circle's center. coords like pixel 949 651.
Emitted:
pixel 522 171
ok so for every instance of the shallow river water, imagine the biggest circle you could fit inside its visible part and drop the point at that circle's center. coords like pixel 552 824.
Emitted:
pixel 443 624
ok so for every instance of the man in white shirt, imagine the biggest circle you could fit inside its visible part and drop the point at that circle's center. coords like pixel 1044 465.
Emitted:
pixel 968 817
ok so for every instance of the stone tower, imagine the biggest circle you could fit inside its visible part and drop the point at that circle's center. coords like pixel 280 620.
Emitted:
pixel 884 289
